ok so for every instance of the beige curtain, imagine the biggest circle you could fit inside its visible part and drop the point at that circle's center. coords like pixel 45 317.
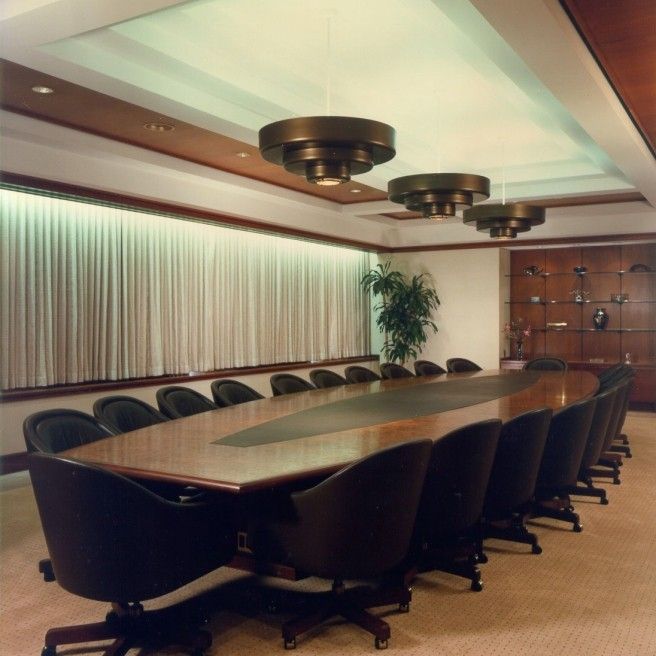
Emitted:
pixel 90 292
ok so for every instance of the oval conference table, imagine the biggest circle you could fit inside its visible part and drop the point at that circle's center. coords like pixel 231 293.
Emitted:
pixel 286 440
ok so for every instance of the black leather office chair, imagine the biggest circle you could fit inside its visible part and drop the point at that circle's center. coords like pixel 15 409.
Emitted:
pixel 125 413
pixel 112 540
pixel 608 464
pixel 324 378
pixel 227 392
pixel 546 364
pixel 428 368
pixel 609 377
pixel 514 474
pixel 357 374
pixel 289 384
pixel 594 446
pixel 448 530
pixel 52 431
pixel 392 370
pixel 460 365
pixel 563 452
pixel 354 525
pixel 177 402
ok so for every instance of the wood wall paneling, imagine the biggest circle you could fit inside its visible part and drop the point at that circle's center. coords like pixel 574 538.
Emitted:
pixel 563 344
pixel 638 254
pixel 601 258
pixel 526 258
pixel 565 312
pixel 601 344
pixel 562 260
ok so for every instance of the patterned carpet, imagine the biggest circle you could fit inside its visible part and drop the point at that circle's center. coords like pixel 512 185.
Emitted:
pixel 592 593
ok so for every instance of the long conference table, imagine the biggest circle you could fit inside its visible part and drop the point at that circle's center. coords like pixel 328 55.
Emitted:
pixel 289 439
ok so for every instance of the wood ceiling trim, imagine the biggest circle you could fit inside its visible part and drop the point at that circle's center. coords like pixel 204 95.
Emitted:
pixel 180 211
pixel 621 36
pixel 79 108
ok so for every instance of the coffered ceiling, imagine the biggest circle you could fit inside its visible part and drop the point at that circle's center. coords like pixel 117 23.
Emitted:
pixel 472 86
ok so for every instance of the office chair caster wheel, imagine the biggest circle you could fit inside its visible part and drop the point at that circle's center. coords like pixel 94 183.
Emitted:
pixel 616 481
pixel 476 586
pixel 380 643
pixel 603 502
pixel 577 528
pixel 482 558
pixel 49 651
pixel 536 549
pixel 404 607
pixel 289 644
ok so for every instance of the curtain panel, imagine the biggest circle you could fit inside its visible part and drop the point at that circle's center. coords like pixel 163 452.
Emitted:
pixel 90 292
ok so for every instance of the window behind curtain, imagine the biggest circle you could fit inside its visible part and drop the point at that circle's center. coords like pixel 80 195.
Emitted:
pixel 90 292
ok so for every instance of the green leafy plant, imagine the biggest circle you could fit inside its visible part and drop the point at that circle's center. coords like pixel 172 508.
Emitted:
pixel 404 310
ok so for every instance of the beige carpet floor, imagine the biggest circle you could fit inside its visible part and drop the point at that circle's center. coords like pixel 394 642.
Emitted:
pixel 588 594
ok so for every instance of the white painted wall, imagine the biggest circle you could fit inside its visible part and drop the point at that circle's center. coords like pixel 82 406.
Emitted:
pixel 471 287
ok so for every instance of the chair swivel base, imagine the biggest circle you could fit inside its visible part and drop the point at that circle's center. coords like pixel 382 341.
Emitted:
pixel 558 508
pixel 589 490
pixel 351 604
pixel 513 530
pixel 454 563
pixel 131 626
pixel 597 472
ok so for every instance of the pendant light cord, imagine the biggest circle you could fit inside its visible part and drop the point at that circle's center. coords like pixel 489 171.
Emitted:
pixel 328 53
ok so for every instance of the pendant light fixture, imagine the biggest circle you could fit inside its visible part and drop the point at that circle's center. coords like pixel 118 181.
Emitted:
pixel 438 195
pixel 327 150
pixel 504 221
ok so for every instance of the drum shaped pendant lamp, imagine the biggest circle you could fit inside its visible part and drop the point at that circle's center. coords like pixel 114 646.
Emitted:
pixel 438 195
pixel 504 221
pixel 327 150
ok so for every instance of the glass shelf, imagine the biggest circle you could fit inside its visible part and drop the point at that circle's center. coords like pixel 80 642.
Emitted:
pixel 546 274
pixel 593 330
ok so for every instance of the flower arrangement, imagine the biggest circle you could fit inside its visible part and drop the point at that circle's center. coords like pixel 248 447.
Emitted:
pixel 516 331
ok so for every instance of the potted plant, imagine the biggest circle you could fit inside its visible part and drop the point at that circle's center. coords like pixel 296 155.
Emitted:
pixel 517 332
pixel 404 310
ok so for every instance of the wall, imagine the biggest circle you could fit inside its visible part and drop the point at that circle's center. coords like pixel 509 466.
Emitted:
pixel 471 286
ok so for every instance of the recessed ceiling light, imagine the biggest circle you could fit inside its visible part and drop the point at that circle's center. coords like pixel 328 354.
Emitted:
pixel 42 89
pixel 355 191
pixel 157 126
pixel 243 154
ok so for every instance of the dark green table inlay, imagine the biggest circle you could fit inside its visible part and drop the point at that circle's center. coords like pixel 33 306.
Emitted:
pixel 383 407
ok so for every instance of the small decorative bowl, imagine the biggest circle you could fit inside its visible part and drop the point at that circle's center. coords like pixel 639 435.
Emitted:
pixel 532 270
pixel 619 298
pixel 578 270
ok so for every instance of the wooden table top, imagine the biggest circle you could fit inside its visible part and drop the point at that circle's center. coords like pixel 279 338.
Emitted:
pixel 183 450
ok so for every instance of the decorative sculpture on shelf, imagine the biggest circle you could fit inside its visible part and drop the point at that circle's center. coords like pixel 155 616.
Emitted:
pixel 600 318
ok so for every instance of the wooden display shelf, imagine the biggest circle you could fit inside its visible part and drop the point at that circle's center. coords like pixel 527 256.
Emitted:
pixel 632 323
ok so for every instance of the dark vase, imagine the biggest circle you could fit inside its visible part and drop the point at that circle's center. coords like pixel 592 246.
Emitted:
pixel 520 350
pixel 600 318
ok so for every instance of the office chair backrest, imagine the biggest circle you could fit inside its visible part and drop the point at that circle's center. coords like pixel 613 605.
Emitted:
pixel 457 479
pixel 546 364
pixel 393 370
pixel 563 452
pixel 611 372
pixel 228 392
pixel 358 522
pixel 357 374
pixel 289 384
pixel 111 539
pixel 52 431
pixel 618 414
pixel 428 368
pixel 517 462
pixel 176 402
pixel 459 365
pixel 599 428
pixel 125 413
pixel 324 378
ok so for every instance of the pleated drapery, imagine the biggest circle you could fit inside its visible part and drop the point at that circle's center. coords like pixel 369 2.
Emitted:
pixel 90 292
